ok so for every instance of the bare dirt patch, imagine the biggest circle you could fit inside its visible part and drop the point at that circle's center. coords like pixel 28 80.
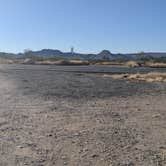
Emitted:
pixel 56 118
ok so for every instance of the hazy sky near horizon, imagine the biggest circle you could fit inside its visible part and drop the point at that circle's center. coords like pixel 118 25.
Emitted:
pixel 88 25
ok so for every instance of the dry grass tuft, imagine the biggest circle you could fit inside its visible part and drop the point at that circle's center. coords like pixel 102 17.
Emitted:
pixel 149 77
pixel 156 65
pixel 5 61
pixel 62 62
pixel 108 63
pixel 48 62
pixel 132 64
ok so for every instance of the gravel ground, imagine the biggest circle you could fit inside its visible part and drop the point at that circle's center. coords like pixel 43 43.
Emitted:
pixel 49 117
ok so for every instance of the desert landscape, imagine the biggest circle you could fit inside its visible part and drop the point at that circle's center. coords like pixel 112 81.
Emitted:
pixel 82 83
pixel 81 116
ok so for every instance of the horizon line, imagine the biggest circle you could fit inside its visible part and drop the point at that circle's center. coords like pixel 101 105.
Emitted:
pixel 34 50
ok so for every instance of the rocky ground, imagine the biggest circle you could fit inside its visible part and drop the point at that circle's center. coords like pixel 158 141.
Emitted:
pixel 55 118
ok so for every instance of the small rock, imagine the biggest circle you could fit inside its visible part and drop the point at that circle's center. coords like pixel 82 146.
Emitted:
pixel 63 157
pixel 95 155
pixel 76 134
pixel 129 164
pixel 138 109
pixel 156 116
pixel 85 149
pixel 20 147
pixel 65 163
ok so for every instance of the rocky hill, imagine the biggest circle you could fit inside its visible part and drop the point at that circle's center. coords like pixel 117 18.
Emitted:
pixel 105 54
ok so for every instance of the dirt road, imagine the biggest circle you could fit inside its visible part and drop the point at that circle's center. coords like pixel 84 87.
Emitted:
pixel 55 118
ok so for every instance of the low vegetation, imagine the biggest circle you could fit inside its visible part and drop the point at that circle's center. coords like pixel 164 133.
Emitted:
pixel 149 77
pixel 141 60
pixel 62 62
pixel 109 63
pixel 155 65
pixel 6 61
pixel 132 64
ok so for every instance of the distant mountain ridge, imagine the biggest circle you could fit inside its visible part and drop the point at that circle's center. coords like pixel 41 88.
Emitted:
pixel 104 54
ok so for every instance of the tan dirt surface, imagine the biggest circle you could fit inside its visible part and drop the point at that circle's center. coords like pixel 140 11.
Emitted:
pixel 50 118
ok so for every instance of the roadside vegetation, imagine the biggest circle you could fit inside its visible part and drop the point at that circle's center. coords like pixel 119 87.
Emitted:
pixel 62 62
pixel 149 77
pixel 141 60
pixel 156 64
pixel 132 64
pixel 6 61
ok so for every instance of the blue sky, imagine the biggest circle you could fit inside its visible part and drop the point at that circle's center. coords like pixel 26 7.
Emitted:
pixel 88 25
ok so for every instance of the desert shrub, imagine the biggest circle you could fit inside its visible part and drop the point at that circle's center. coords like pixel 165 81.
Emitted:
pixel 155 64
pixel 74 62
pixel 149 77
pixel 62 62
pixel 6 61
pixel 28 61
pixel 132 64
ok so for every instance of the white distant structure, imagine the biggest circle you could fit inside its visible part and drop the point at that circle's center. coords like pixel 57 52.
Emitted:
pixel 72 50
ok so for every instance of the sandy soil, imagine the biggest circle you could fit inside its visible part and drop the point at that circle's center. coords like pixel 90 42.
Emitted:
pixel 51 118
